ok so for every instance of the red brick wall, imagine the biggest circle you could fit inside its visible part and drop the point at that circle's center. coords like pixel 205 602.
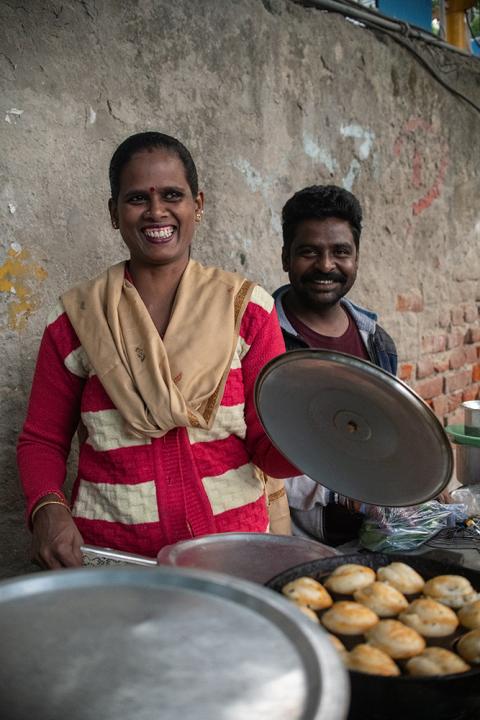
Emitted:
pixel 447 371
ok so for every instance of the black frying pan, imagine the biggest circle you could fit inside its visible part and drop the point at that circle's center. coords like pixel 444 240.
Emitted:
pixel 449 697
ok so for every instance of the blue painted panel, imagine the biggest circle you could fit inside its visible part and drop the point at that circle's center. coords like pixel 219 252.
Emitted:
pixel 475 46
pixel 415 12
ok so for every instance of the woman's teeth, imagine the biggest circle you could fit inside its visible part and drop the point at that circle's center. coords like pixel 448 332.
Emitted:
pixel 159 233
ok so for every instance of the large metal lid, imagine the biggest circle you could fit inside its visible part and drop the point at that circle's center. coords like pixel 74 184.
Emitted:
pixel 252 556
pixel 166 643
pixel 353 427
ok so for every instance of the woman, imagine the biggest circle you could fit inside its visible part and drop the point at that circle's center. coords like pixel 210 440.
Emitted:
pixel 155 362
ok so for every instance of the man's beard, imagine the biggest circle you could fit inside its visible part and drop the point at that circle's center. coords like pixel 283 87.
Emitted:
pixel 322 299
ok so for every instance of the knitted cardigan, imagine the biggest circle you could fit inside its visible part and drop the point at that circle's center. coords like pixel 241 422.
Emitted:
pixel 139 494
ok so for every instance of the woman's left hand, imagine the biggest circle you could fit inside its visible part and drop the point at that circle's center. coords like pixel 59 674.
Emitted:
pixel 444 497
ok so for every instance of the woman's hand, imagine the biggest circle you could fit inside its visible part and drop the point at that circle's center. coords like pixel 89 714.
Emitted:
pixel 56 540
pixel 444 497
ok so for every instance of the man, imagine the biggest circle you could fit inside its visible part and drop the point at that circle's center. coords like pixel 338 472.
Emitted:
pixel 321 234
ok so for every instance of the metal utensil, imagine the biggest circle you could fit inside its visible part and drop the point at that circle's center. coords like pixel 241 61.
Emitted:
pixel 353 427
pixel 252 556
pixel 123 643
pixel 467 454
pixel 119 555
pixel 472 417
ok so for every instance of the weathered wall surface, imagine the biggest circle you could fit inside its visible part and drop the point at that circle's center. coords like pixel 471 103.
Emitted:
pixel 269 97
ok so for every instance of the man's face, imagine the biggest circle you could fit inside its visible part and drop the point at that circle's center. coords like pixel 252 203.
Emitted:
pixel 322 262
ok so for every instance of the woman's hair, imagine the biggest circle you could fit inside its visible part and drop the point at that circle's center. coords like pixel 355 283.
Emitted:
pixel 148 141
pixel 317 203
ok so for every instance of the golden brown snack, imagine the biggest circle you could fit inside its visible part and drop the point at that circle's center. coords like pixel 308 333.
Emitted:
pixel 337 644
pixel 368 659
pixel 469 615
pixel 469 647
pixel 436 661
pixel 396 639
pixel 307 591
pixel 452 590
pixel 348 618
pixel 383 599
pixel 402 577
pixel 345 579
pixel 429 618
pixel 311 614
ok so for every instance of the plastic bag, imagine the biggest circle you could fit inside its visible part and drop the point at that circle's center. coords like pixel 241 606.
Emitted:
pixel 469 495
pixel 389 529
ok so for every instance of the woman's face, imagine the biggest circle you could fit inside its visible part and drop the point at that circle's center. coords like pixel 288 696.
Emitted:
pixel 155 210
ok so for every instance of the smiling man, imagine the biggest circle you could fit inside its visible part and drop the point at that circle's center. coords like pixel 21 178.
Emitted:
pixel 321 235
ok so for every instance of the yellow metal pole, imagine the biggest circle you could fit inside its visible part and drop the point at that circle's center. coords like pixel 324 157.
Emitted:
pixel 456 31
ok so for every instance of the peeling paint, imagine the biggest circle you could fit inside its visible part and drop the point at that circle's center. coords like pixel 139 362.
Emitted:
pixel 359 133
pixel 92 116
pixel 314 151
pixel 18 275
pixel 351 176
pixel 257 183
pixel 13 114
pixel 253 178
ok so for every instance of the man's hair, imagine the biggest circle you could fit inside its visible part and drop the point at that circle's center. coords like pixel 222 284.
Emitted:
pixel 149 141
pixel 318 202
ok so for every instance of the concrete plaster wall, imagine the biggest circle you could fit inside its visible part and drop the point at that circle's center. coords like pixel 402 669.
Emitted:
pixel 270 97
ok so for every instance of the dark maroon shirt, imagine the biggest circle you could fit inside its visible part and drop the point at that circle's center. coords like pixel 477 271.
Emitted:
pixel 350 342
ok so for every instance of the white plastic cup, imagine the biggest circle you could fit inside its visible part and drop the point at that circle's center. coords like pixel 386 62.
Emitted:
pixel 472 417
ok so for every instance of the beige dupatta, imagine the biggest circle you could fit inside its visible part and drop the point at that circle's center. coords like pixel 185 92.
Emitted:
pixel 159 385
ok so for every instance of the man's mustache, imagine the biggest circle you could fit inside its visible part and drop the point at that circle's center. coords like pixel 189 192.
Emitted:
pixel 318 276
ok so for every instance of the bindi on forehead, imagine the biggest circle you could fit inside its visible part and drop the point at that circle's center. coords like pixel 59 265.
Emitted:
pixel 152 189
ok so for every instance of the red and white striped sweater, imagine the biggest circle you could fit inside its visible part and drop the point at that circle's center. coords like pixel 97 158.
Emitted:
pixel 141 494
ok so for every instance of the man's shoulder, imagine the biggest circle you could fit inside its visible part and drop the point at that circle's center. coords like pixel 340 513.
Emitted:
pixel 365 319
pixel 376 337
pixel 385 339
pixel 277 294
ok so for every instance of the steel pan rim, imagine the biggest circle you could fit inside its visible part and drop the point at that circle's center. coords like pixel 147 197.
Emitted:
pixel 251 538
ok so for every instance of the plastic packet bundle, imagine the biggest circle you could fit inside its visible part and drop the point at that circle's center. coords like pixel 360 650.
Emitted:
pixel 469 495
pixel 390 529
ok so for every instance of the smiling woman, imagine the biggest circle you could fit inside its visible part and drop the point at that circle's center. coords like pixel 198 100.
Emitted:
pixel 155 361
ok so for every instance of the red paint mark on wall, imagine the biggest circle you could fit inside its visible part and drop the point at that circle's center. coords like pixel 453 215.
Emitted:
pixel 414 132
pixel 434 192
pixel 417 169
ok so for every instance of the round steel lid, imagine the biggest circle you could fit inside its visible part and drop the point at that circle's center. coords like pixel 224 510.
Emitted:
pixel 253 556
pixel 119 644
pixel 353 427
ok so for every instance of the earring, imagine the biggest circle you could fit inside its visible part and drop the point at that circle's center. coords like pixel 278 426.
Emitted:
pixel 198 216
pixel 114 225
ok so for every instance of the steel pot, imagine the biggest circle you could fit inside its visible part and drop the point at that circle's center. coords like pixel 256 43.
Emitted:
pixel 472 417
pixel 451 697
pixel 467 454
pixel 467 464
